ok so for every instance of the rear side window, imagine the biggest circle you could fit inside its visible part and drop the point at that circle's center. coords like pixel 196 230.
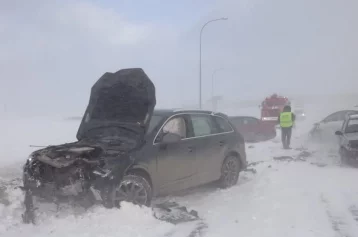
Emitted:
pixel 251 121
pixel 238 122
pixel 223 125
pixel 202 125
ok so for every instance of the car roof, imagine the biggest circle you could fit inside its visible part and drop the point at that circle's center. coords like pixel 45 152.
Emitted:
pixel 169 112
pixel 242 116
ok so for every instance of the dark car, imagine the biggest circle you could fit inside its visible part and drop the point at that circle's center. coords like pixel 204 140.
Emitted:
pixel 348 139
pixel 126 151
pixel 253 129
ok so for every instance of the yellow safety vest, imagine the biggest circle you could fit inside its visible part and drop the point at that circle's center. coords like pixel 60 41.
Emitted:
pixel 286 119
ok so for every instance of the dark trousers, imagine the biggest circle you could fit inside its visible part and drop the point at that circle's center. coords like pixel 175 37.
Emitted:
pixel 286 136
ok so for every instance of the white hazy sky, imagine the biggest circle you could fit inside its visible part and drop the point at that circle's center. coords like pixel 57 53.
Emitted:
pixel 51 52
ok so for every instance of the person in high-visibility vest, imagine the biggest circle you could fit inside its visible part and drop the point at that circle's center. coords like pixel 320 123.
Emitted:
pixel 286 121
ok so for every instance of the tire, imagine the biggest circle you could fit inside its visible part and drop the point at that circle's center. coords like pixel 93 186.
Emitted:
pixel 134 189
pixel 230 171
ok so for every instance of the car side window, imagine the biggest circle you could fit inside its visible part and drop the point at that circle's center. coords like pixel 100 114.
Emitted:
pixel 176 125
pixel 223 125
pixel 237 121
pixel 251 121
pixel 202 125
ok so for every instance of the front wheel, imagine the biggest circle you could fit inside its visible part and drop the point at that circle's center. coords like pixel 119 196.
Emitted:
pixel 230 171
pixel 135 189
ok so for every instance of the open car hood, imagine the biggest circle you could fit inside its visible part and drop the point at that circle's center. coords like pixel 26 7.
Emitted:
pixel 121 105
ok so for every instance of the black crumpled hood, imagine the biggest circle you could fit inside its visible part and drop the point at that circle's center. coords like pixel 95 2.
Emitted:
pixel 121 105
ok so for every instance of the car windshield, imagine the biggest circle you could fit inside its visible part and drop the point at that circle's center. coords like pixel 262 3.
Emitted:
pixel 352 126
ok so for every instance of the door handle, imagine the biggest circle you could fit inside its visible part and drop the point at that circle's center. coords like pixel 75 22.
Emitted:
pixel 221 143
pixel 190 149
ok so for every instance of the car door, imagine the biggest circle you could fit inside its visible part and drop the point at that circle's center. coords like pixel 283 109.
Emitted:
pixel 207 144
pixel 327 127
pixel 253 128
pixel 176 162
pixel 225 136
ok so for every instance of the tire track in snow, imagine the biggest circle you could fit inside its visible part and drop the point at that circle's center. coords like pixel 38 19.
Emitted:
pixel 343 221
pixel 354 211
pixel 198 231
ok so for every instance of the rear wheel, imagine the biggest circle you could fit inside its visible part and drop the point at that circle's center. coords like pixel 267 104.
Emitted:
pixel 229 172
pixel 135 189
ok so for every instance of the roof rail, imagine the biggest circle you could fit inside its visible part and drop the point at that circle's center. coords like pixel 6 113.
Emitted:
pixel 193 110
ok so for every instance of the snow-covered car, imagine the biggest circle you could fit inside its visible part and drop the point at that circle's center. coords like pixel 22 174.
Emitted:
pixel 253 129
pixel 324 130
pixel 348 139
pixel 127 151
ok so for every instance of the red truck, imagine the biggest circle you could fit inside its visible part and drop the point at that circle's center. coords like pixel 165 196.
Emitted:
pixel 271 108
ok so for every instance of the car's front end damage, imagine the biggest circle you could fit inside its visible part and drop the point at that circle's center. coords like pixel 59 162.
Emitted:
pixel 112 129
pixel 76 173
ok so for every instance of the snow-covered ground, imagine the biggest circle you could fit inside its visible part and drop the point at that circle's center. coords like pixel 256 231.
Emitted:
pixel 308 195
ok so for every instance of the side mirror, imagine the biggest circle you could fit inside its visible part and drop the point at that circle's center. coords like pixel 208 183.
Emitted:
pixel 171 138
pixel 338 133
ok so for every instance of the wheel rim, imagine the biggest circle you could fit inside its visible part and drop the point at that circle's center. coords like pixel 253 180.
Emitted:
pixel 230 171
pixel 130 191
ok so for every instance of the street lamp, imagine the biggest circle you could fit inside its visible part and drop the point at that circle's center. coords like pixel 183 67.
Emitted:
pixel 201 32
pixel 212 81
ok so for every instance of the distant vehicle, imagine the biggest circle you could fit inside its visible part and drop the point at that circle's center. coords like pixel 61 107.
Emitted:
pixel 348 139
pixel 324 130
pixel 253 129
pixel 127 151
pixel 271 108
pixel 300 114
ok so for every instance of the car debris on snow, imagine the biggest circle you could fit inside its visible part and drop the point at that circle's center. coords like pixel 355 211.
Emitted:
pixel 283 158
pixel 318 164
pixel 304 154
pixel 252 170
pixel 173 213
pixel 255 163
